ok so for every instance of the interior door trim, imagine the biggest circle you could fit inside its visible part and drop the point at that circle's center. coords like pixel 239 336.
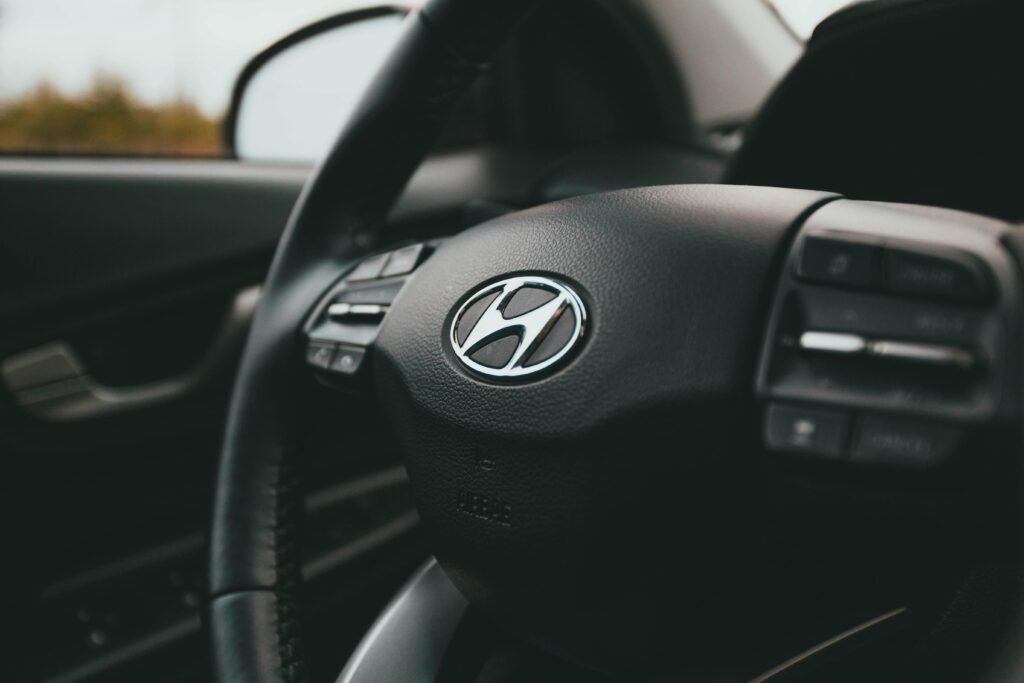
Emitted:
pixel 52 384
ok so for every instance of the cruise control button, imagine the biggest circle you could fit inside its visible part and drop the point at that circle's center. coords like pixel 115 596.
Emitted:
pixel 886 441
pixel 403 260
pixel 806 430
pixel 369 269
pixel 841 262
pixel 953 275
pixel 320 355
pixel 347 360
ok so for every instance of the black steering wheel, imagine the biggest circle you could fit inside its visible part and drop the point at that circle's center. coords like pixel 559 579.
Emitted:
pixel 613 407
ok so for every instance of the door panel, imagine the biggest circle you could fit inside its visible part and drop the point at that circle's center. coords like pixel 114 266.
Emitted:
pixel 125 289
pixel 83 229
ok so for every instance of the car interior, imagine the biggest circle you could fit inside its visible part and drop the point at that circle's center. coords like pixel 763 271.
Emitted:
pixel 608 340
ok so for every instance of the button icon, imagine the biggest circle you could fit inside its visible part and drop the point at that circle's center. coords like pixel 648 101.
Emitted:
pixel 838 265
pixel 806 429
pixel 803 432
pixel 837 261
pixel 348 360
pixel 320 355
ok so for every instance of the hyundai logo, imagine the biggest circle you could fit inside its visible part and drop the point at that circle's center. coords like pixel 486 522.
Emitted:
pixel 518 327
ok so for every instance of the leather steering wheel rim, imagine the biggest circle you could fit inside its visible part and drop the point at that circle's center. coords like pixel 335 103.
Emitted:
pixel 255 570
pixel 254 558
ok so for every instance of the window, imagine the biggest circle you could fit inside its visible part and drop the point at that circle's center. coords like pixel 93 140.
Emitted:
pixel 133 77
pixel 803 16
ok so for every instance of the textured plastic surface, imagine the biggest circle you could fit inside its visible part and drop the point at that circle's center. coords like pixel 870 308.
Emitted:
pixel 631 465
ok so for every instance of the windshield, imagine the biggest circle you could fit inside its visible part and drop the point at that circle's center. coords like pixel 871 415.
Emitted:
pixel 803 16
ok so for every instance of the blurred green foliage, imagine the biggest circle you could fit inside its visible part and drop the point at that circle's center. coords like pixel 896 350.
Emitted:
pixel 106 119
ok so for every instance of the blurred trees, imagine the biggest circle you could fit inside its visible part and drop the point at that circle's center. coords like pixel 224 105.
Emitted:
pixel 106 119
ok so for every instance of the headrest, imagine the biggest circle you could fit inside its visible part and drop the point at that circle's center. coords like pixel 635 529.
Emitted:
pixel 912 100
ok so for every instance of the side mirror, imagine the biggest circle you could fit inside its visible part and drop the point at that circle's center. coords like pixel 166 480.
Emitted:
pixel 290 101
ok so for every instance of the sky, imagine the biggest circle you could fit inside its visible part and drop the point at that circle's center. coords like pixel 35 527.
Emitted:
pixel 164 49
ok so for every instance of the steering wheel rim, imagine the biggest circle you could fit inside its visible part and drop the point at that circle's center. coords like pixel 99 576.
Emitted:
pixel 254 552
pixel 254 566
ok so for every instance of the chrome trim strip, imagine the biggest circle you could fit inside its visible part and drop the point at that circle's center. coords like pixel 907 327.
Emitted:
pixel 803 666
pixel 853 344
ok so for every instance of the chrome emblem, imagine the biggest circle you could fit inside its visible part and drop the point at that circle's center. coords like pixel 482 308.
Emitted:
pixel 518 327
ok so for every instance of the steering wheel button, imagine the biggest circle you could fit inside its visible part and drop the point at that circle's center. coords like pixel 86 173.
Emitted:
pixel 320 355
pixel 885 441
pixel 403 260
pixel 347 360
pixel 954 275
pixel 840 262
pixel 806 430
pixel 369 269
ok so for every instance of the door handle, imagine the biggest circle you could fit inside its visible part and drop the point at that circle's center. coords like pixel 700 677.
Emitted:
pixel 51 383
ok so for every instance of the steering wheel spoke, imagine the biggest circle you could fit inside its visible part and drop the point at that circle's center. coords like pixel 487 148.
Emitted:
pixel 592 397
pixel 891 353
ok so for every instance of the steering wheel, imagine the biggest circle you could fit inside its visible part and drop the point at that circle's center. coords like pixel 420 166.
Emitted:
pixel 613 407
